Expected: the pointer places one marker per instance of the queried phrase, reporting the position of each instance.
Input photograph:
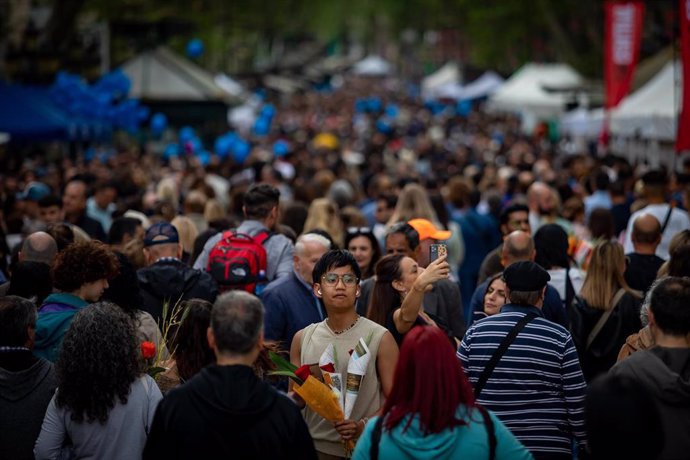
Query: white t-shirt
(577, 277)
(678, 222)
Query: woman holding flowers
(336, 282)
(103, 406)
(431, 412)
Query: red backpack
(238, 261)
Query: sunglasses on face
(353, 230)
(331, 279)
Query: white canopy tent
(527, 90)
(447, 77)
(372, 66)
(582, 122)
(230, 85)
(487, 84)
(162, 75)
(483, 86)
(651, 111)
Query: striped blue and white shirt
(537, 389)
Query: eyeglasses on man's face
(331, 279)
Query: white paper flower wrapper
(334, 379)
(356, 370)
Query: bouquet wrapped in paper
(317, 395)
(331, 399)
(356, 370)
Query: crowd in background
(382, 177)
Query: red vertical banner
(623, 29)
(683, 137)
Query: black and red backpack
(238, 261)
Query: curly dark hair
(83, 262)
(98, 362)
(191, 350)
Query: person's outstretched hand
(437, 270)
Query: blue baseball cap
(161, 233)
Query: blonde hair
(678, 242)
(323, 214)
(134, 251)
(414, 203)
(167, 190)
(604, 275)
(187, 232)
(214, 210)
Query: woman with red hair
(431, 413)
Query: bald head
(646, 233)
(38, 247)
(157, 251)
(517, 246)
(541, 199)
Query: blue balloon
(158, 123)
(384, 126)
(392, 111)
(204, 157)
(374, 104)
(186, 134)
(268, 111)
(196, 145)
(281, 148)
(262, 126)
(222, 146)
(464, 108)
(241, 151)
(172, 150)
(195, 48)
(142, 113)
(361, 105)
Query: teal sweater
(463, 442)
(54, 318)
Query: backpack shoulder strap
(603, 318)
(667, 218)
(500, 351)
(376, 439)
(569, 289)
(490, 431)
(262, 236)
(227, 234)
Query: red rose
(328, 367)
(303, 372)
(148, 349)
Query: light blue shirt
(598, 199)
(103, 216)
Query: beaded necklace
(346, 329)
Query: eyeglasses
(331, 279)
(353, 230)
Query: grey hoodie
(665, 372)
(24, 397)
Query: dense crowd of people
(147, 298)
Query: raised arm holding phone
(397, 298)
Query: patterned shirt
(537, 389)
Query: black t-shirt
(641, 270)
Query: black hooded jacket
(227, 412)
(26, 386)
(665, 373)
(171, 280)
